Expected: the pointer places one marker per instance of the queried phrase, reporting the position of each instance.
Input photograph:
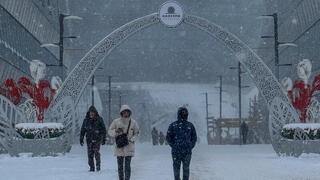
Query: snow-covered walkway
(251, 162)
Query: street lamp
(288, 44)
(72, 17)
(220, 97)
(121, 95)
(59, 44)
(50, 45)
(277, 44)
(239, 91)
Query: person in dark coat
(182, 138)
(161, 138)
(95, 131)
(244, 131)
(155, 136)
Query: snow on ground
(250, 162)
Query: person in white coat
(124, 155)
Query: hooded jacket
(181, 135)
(133, 134)
(93, 129)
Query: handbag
(122, 140)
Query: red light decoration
(41, 94)
(301, 95)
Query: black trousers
(185, 159)
(124, 167)
(93, 152)
(244, 138)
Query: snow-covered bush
(30, 130)
(310, 131)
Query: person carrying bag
(122, 140)
(125, 130)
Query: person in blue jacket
(182, 138)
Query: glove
(81, 142)
(103, 142)
(119, 131)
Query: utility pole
(210, 123)
(277, 44)
(207, 115)
(207, 107)
(61, 19)
(120, 99)
(60, 44)
(239, 92)
(109, 101)
(220, 106)
(220, 103)
(92, 90)
(239, 88)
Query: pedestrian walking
(161, 138)
(94, 130)
(244, 131)
(126, 131)
(155, 136)
(182, 138)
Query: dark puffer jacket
(94, 129)
(181, 135)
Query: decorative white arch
(267, 84)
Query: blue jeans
(185, 159)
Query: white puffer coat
(132, 135)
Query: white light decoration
(304, 69)
(287, 83)
(56, 83)
(38, 70)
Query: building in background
(25, 25)
(299, 23)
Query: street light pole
(239, 92)
(60, 44)
(92, 90)
(109, 100)
(239, 87)
(220, 103)
(207, 106)
(120, 100)
(61, 19)
(220, 96)
(277, 44)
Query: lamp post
(121, 95)
(109, 100)
(92, 90)
(239, 91)
(209, 123)
(277, 44)
(60, 44)
(220, 96)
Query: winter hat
(92, 109)
(124, 108)
(180, 116)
